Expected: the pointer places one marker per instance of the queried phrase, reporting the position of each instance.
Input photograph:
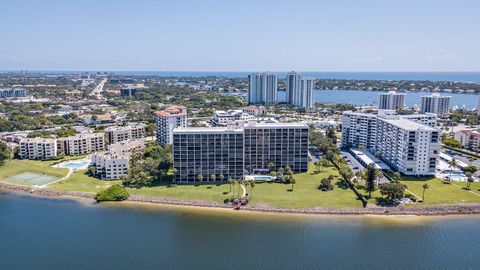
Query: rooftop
(408, 124)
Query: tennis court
(33, 178)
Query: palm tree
(271, 166)
(213, 178)
(221, 177)
(200, 178)
(370, 176)
(273, 174)
(252, 186)
(319, 165)
(470, 179)
(425, 187)
(230, 182)
(397, 177)
(379, 176)
(292, 181)
(174, 179)
(453, 163)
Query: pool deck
(86, 160)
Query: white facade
(435, 103)
(117, 134)
(391, 101)
(407, 143)
(167, 120)
(262, 88)
(115, 163)
(81, 144)
(37, 148)
(224, 118)
(13, 92)
(300, 90)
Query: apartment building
(391, 100)
(224, 118)
(409, 147)
(435, 103)
(37, 148)
(410, 144)
(299, 90)
(115, 134)
(284, 144)
(470, 139)
(81, 144)
(262, 88)
(115, 163)
(13, 92)
(234, 151)
(167, 120)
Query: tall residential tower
(391, 101)
(299, 90)
(262, 88)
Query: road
(356, 166)
(97, 91)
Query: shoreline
(430, 210)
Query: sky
(240, 35)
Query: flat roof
(276, 125)
(408, 124)
(206, 130)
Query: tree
(221, 177)
(174, 179)
(359, 177)
(453, 163)
(470, 179)
(137, 178)
(330, 156)
(113, 193)
(470, 168)
(397, 177)
(392, 190)
(271, 166)
(452, 142)
(326, 184)
(230, 183)
(252, 186)
(425, 187)
(213, 178)
(331, 135)
(370, 176)
(200, 178)
(293, 181)
(4, 153)
(319, 165)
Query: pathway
(455, 185)
(244, 191)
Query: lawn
(80, 181)
(305, 193)
(438, 193)
(15, 167)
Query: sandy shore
(430, 210)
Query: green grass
(438, 193)
(15, 167)
(80, 181)
(305, 193)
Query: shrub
(326, 184)
(113, 193)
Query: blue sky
(243, 35)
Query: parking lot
(356, 166)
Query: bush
(113, 193)
(326, 184)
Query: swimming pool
(74, 164)
(455, 177)
(263, 178)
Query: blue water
(430, 76)
(358, 97)
(75, 164)
(40, 233)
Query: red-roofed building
(469, 139)
(168, 119)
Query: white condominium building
(117, 134)
(115, 163)
(37, 148)
(13, 92)
(262, 88)
(408, 143)
(435, 103)
(81, 144)
(110, 165)
(224, 118)
(299, 90)
(391, 101)
(167, 120)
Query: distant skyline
(214, 35)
